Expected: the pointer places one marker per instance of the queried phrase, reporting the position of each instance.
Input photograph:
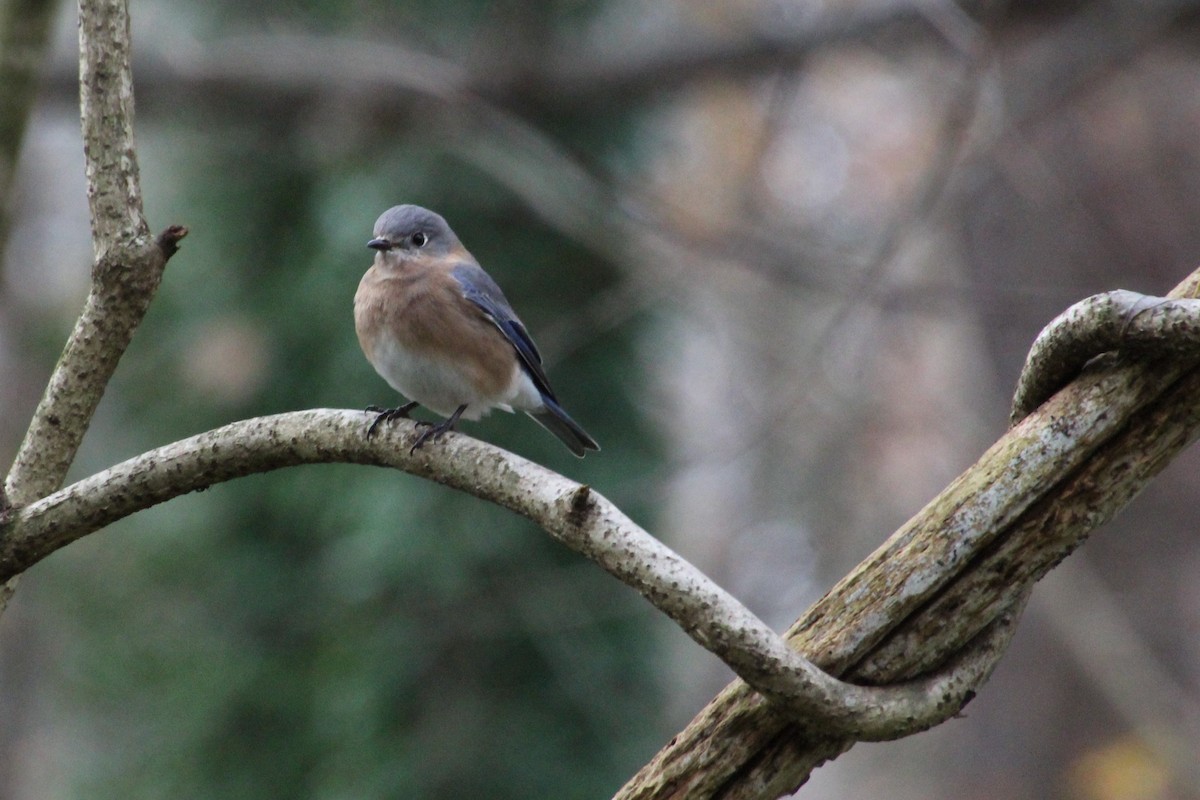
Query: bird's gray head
(410, 230)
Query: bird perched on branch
(438, 329)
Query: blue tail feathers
(552, 417)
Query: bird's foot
(432, 432)
(386, 414)
(435, 431)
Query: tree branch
(1104, 322)
(1032, 498)
(574, 514)
(128, 265)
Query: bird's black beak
(380, 244)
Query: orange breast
(424, 312)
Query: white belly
(442, 389)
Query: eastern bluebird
(437, 328)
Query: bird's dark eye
(419, 239)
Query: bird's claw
(386, 414)
(432, 431)
(435, 431)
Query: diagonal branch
(573, 514)
(1032, 498)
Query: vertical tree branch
(125, 274)
(128, 262)
(106, 114)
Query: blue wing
(480, 289)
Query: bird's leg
(434, 431)
(385, 414)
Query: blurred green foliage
(346, 632)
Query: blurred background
(784, 260)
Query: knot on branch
(168, 240)
(579, 505)
(1120, 321)
(131, 268)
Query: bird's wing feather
(480, 289)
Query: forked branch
(128, 260)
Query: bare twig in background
(289, 74)
(571, 77)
